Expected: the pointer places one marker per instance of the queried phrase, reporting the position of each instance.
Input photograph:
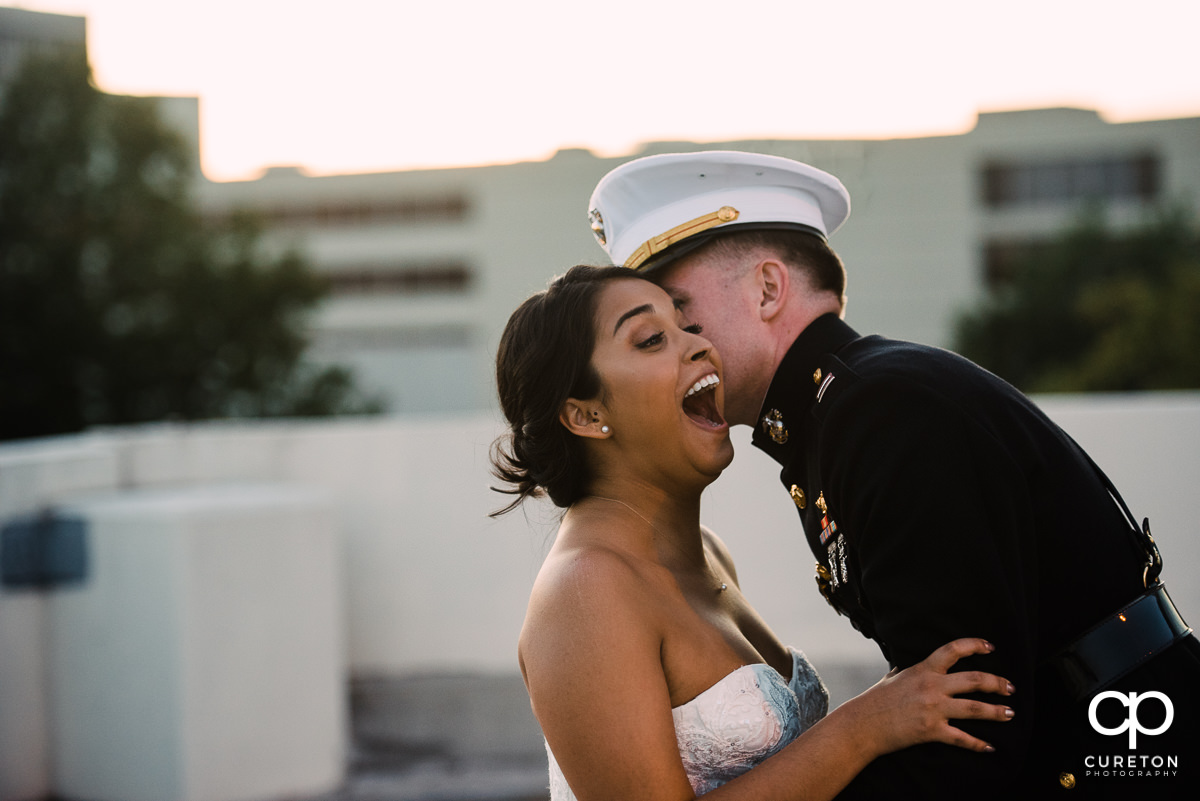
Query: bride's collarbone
(707, 632)
(700, 649)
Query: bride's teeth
(703, 383)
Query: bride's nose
(698, 347)
(699, 350)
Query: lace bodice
(736, 723)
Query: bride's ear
(583, 419)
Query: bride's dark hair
(545, 357)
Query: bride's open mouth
(700, 402)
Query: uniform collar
(794, 387)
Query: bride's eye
(694, 328)
(650, 342)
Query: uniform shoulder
(924, 366)
(877, 370)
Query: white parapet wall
(432, 585)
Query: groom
(939, 502)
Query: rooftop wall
(432, 585)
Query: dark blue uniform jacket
(940, 503)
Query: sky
(375, 85)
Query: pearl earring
(604, 429)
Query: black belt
(1120, 642)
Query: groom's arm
(932, 507)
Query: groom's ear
(582, 418)
(774, 281)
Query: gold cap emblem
(821, 502)
(798, 496)
(772, 424)
(597, 223)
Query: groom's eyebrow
(643, 309)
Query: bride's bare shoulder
(588, 602)
(586, 570)
(590, 583)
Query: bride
(650, 673)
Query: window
(363, 212)
(1061, 181)
(406, 279)
(1002, 259)
(335, 213)
(435, 337)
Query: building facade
(25, 32)
(426, 265)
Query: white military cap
(677, 201)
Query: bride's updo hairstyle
(544, 358)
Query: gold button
(821, 502)
(1067, 780)
(817, 376)
(798, 496)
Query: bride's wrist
(859, 730)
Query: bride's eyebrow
(643, 309)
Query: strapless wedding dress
(736, 723)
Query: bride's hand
(916, 705)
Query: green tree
(118, 304)
(1097, 310)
